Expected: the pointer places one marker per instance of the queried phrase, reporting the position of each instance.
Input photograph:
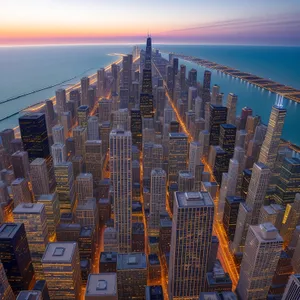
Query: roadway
(224, 253)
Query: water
(29, 68)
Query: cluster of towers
(144, 184)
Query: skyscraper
(58, 152)
(93, 128)
(39, 177)
(192, 77)
(186, 181)
(227, 138)
(146, 105)
(34, 135)
(105, 108)
(35, 221)
(7, 135)
(148, 56)
(218, 116)
(15, 256)
(136, 127)
(82, 115)
(194, 156)
(182, 77)
(147, 82)
(178, 154)
(262, 252)
(58, 134)
(80, 137)
(61, 266)
(268, 152)
(85, 84)
(121, 119)
(157, 199)
(94, 158)
(127, 71)
(191, 236)
(231, 108)
(61, 102)
(101, 82)
(292, 290)
(65, 186)
(84, 187)
(20, 164)
(20, 191)
(120, 143)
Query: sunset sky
(173, 21)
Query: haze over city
(91, 21)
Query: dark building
(182, 78)
(281, 276)
(15, 256)
(246, 111)
(289, 181)
(146, 105)
(227, 138)
(170, 77)
(165, 232)
(221, 164)
(245, 182)
(91, 96)
(85, 267)
(206, 80)
(20, 164)
(174, 127)
(175, 65)
(103, 188)
(41, 285)
(86, 243)
(70, 146)
(148, 54)
(136, 128)
(138, 237)
(75, 96)
(127, 70)
(192, 78)
(213, 253)
(104, 210)
(147, 82)
(16, 145)
(154, 269)
(154, 292)
(231, 210)
(218, 280)
(67, 232)
(173, 187)
(218, 116)
(34, 135)
(108, 262)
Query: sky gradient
(26, 22)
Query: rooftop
(177, 135)
(29, 295)
(166, 223)
(29, 115)
(131, 261)
(193, 199)
(108, 257)
(153, 259)
(17, 181)
(103, 284)
(154, 292)
(59, 252)
(47, 197)
(138, 228)
(29, 208)
(8, 230)
(86, 231)
(266, 231)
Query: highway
(224, 253)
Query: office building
(268, 152)
(20, 164)
(16, 145)
(58, 152)
(102, 286)
(94, 159)
(186, 181)
(217, 117)
(80, 137)
(108, 262)
(271, 214)
(61, 266)
(41, 286)
(121, 181)
(136, 127)
(20, 191)
(288, 184)
(82, 115)
(154, 269)
(34, 135)
(121, 119)
(147, 82)
(93, 128)
(61, 102)
(101, 82)
(127, 71)
(292, 290)
(131, 275)
(262, 252)
(154, 292)
(84, 187)
(192, 77)
(58, 134)
(6, 136)
(52, 212)
(227, 138)
(192, 95)
(85, 84)
(231, 108)
(157, 199)
(204, 138)
(39, 177)
(178, 154)
(146, 105)
(138, 237)
(35, 221)
(65, 186)
(66, 122)
(110, 240)
(194, 156)
(104, 134)
(124, 98)
(32, 295)
(15, 257)
(6, 291)
(193, 212)
(105, 109)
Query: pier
(285, 91)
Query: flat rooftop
(59, 252)
(104, 284)
(8, 230)
(193, 199)
(131, 261)
(17, 181)
(177, 135)
(29, 208)
(110, 257)
(29, 295)
(47, 197)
